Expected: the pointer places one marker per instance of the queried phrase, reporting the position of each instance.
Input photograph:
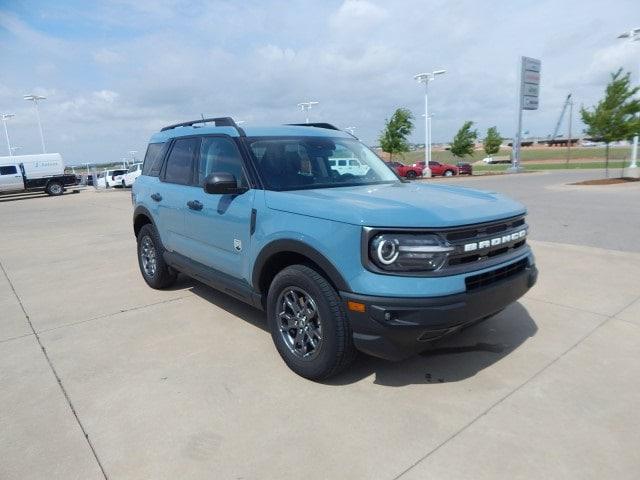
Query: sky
(116, 71)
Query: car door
(218, 225)
(436, 168)
(175, 178)
(10, 179)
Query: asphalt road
(102, 377)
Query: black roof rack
(218, 122)
(328, 126)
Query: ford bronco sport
(263, 214)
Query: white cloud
(357, 15)
(107, 57)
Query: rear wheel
(54, 188)
(308, 324)
(154, 270)
(411, 175)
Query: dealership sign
(530, 83)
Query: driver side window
(220, 154)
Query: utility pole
(426, 78)
(305, 107)
(5, 117)
(569, 136)
(35, 99)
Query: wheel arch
(279, 254)
(141, 217)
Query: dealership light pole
(426, 78)
(305, 107)
(5, 117)
(35, 99)
(633, 36)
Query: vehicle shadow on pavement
(231, 305)
(453, 359)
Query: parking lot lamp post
(35, 99)
(426, 78)
(5, 117)
(633, 36)
(305, 107)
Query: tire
(153, 268)
(448, 173)
(333, 350)
(54, 188)
(124, 185)
(411, 175)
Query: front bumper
(395, 328)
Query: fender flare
(301, 248)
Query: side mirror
(222, 183)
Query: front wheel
(448, 173)
(411, 175)
(308, 324)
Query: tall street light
(426, 78)
(35, 99)
(633, 36)
(5, 117)
(305, 107)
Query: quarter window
(220, 154)
(153, 159)
(180, 162)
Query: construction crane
(564, 109)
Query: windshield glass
(294, 163)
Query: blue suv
(308, 224)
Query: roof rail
(218, 122)
(328, 126)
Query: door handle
(156, 196)
(194, 205)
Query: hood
(397, 205)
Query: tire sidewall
(411, 175)
(292, 277)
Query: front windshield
(294, 163)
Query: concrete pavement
(185, 383)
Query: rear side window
(179, 166)
(153, 159)
(10, 170)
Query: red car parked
(438, 168)
(408, 171)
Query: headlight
(408, 252)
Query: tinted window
(220, 154)
(180, 162)
(11, 170)
(153, 159)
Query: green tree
(614, 117)
(393, 139)
(464, 140)
(492, 141)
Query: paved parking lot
(102, 377)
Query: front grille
(468, 242)
(483, 279)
